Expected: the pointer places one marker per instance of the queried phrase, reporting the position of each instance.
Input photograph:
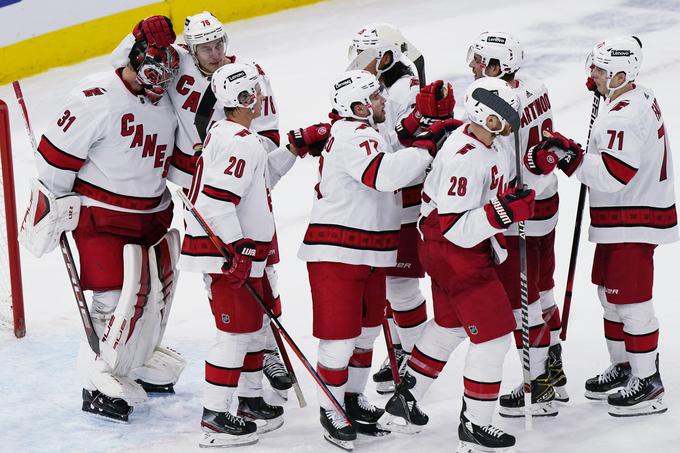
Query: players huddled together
(404, 189)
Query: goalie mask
(614, 55)
(236, 85)
(478, 112)
(497, 46)
(379, 39)
(203, 28)
(155, 68)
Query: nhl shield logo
(225, 318)
(473, 330)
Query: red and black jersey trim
(122, 201)
(183, 162)
(202, 246)
(547, 208)
(411, 196)
(618, 169)
(370, 175)
(352, 238)
(58, 158)
(221, 194)
(272, 135)
(634, 216)
(447, 221)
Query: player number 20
(236, 167)
(458, 186)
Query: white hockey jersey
(231, 190)
(355, 217)
(629, 170)
(465, 175)
(111, 146)
(535, 117)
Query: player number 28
(458, 186)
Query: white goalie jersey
(111, 146)
(356, 212)
(629, 170)
(231, 189)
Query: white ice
(303, 50)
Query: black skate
(475, 438)
(557, 376)
(614, 377)
(337, 430)
(276, 372)
(542, 397)
(114, 409)
(384, 384)
(156, 388)
(223, 429)
(257, 410)
(363, 415)
(402, 414)
(639, 397)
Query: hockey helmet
(354, 87)
(379, 38)
(478, 112)
(614, 55)
(499, 46)
(202, 28)
(155, 67)
(236, 85)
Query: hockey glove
(310, 140)
(434, 136)
(407, 128)
(155, 30)
(334, 116)
(569, 153)
(436, 100)
(513, 206)
(237, 268)
(540, 161)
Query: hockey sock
(641, 337)
(360, 361)
(613, 330)
(539, 339)
(551, 315)
(333, 358)
(250, 383)
(482, 378)
(408, 309)
(223, 369)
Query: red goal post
(11, 291)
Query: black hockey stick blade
(498, 105)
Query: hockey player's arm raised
(367, 162)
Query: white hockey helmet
(478, 112)
(499, 46)
(354, 87)
(379, 38)
(236, 85)
(201, 28)
(614, 55)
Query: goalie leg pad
(162, 369)
(46, 218)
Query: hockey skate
(475, 438)
(113, 409)
(613, 378)
(384, 384)
(266, 417)
(276, 372)
(639, 397)
(363, 415)
(223, 429)
(337, 430)
(557, 376)
(542, 397)
(402, 414)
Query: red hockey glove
(540, 161)
(407, 127)
(237, 269)
(310, 140)
(513, 206)
(570, 153)
(436, 100)
(434, 136)
(155, 30)
(334, 116)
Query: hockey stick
(577, 232)
(510, 115)
(216, 242)
(90, 333)
(286, 362)
(392, 357)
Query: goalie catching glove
(46, 218)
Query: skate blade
(537, 410)
(598, 396)
(561, 394)
(266, 426)
(384, 388)
(223, 440)
(469, 447)
(346, 445)
(656, 406)
(391, 423)
(90, 409)
(369, 429)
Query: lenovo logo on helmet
(238, 75)
(343, 83)
(496, 39)
(620, 53)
